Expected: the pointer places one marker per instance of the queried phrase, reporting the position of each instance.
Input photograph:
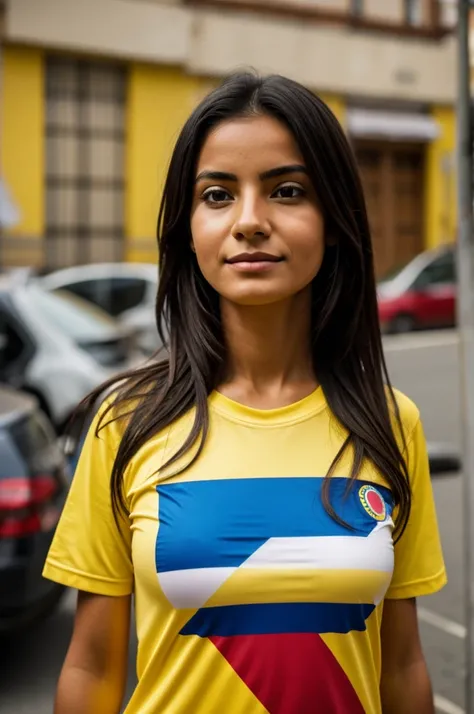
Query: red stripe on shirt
(291, 673)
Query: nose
(251, 221)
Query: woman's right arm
(94, 674)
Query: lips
(254, 258)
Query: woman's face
(257, 230)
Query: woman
(249, 489)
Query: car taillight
(25, 505)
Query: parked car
(33, 485)
(57, 347)
(420, 295)
(127, 291)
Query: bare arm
(94, 673)
(405, 684)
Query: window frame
(77, 230)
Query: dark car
(33, 485)
(420, 295)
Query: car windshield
(395, 281)
(75, 317)
(402, 278)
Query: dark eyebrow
(271, 173)
(283, 171)
(215, 176)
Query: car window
(440, 271)
(76, 318)
(126, 293)
(86, 289)
(115, 295)
(12, 343)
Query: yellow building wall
(22, 136)
(440, 193)
(159, 101)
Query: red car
(421, 295)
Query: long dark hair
(346, 340)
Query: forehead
(259, 142)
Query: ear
(192, 247)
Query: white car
(58, 348)
(127, 291)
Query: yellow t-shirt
(249, 597)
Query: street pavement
(424, 366)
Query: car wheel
(401, 324)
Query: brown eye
(216, 195)
(288, 191)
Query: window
(75, 318)
(87, 289)
(440, 272)
(126, 294)
(13, 346)
(85, 129)
(115, 295)
(92, 329)
(448, 10)
(413, 12)
(35, 439)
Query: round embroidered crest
(373, 502)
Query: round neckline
(290, 413)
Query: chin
(256, 298)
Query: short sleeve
(419, 565)
(89, 550)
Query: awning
(393, 126)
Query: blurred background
(92, 96)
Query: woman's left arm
(405, 684)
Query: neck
(269, 350)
